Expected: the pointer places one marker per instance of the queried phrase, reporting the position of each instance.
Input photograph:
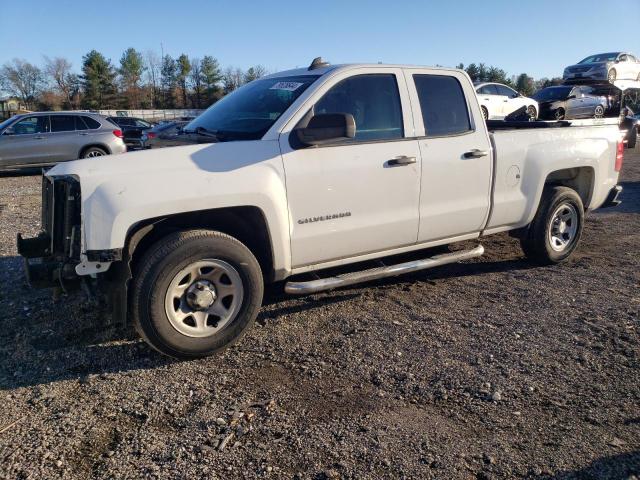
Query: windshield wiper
(204, 132)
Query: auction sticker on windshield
(289, 86)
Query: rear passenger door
(64, 142)
(456, 155)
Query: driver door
(350, 197)
(26, 142)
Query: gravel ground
(491, 369)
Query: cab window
(443, 105)
(374, 102)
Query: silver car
(46, 138)
(605, 66)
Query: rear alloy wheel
(612, 75)
(559, 114)
(93, 152)
(556, 229)
(485, 113)
(599, 112)
(532, 112)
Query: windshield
(601, 57)
(552, 93)
(6, 123)
(247, 113)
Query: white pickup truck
(306, 170)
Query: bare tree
(153, 65)
(58, 72)
(232, 78)
(21, 79)
(196, 78)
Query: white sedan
(497, 101)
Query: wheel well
(98, 145)
(579, 179)
(247, 224)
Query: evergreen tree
(211, 77)
(131, 70)
(98, 81)
(168, 79)
(184, 68)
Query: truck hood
(121, 190)
(155, 166)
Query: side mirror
(571, 97)
(326, 128)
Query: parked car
(631, 123)
(167, 134)
(498, 101)
(133, 129)
(45, 138)
(605, 66)
(565, 102)
(307, 170)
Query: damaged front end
(51, 257)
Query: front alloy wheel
(599, 112)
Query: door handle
(84, 134)
(39, 137)
(402, 160)
(475, 153)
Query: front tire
(612, 75)
(532, 112)
(485, 113)
(196, 293)
(555, 231)
(559, 114)
(598, 112)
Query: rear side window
(91, 123)
(374, 102)
(505, 91)
(62, 123)
(443, 105)
(488, 90)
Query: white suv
(497, 101)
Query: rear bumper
(612, 199)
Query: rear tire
(93, 152)
(612, 75)
(559, 114)
(197, 292)
(598, 112)
(532, 112)
(555, 231)
(485, 113)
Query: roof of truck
(349, 66)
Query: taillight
(151, 135)
(118, 133)
(619, 156)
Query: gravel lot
(491, 369)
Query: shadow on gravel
(618, 467)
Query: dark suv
(133, 129)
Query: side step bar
(313, 286)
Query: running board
(313, 286)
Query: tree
(232, 79)
(196, 80)
(211, 77)
(58, 71)
(98, 81)
(168, 79)
(497, 75)
(184, 68)
(473, 72)
(131, 70)
(254, 73)
(152, 67)
(22, 79)
(525, 85)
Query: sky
(536, 37)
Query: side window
(91, 123)
(30, 125)
(62, 123)
(142, 124)
(623, 58)
(506, 91)
(443, 105)
(488, 90)
(374, 102)
(80, 124)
